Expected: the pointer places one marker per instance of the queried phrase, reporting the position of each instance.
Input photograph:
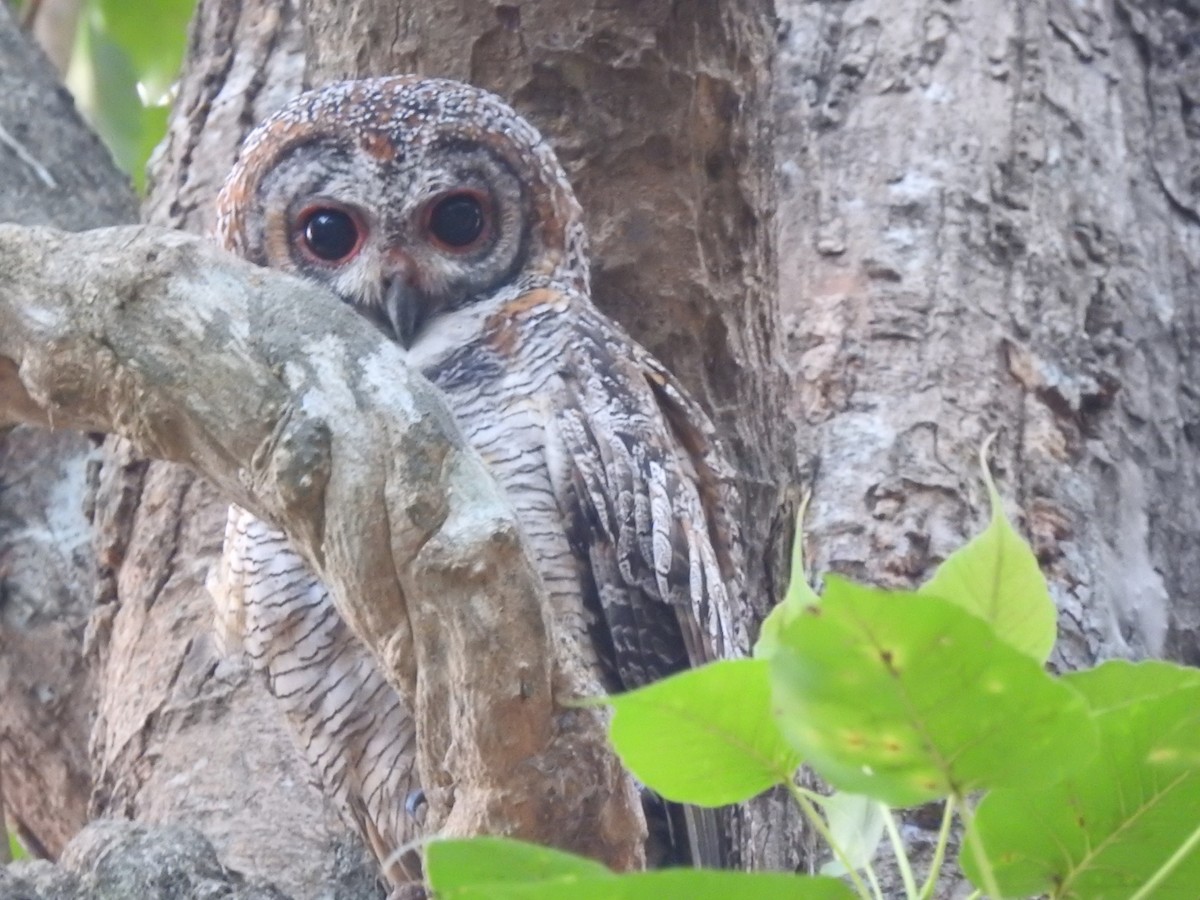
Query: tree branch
(303, 413)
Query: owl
(445, 219)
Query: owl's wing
(352, 727)
(647, 501)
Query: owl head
(408, 197)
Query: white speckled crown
(387, 117)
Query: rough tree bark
(703, 173)
(201, 741)
(170, 715)
(305, 414)
(991, 219)
(53, 171)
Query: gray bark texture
(115, 702)
(53, 171)
(988, 219)
(990, 215)
(200, 740)
(988, 222)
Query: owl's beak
(405, 309)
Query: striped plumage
(353, 728)
(442, 216)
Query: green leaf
(856, 823)
(498, 869)
(799, 595)
(453, 864)
(996, 577)
(105, 86)
(152, 35)
(907, 698)
(705, 736)
(153, 127)
(1114, 823)
(16, 850)
(126, 57)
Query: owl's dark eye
(458, 220)
(330, 234)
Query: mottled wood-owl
(442, 216)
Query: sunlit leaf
(1116, 820)
(488, 860)
(705, 736)
(856, 823)
(908, 698)
(996, 577)
(494, 869)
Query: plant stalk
(981, 860)
(939, 852)
(906, 872)
(817, 822)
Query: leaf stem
(874, 881)
(818, 823)
(906, 873)
(816, 798)
(981, 860)
(939, 852)
(1169, 866)
(798, 543)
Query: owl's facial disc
(403, 237)
(454, 230)
(410, 270)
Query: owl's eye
(458, 220)
(330, 234)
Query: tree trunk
(988, 222)
(53, 171)
(182, 733)
(692, 176)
